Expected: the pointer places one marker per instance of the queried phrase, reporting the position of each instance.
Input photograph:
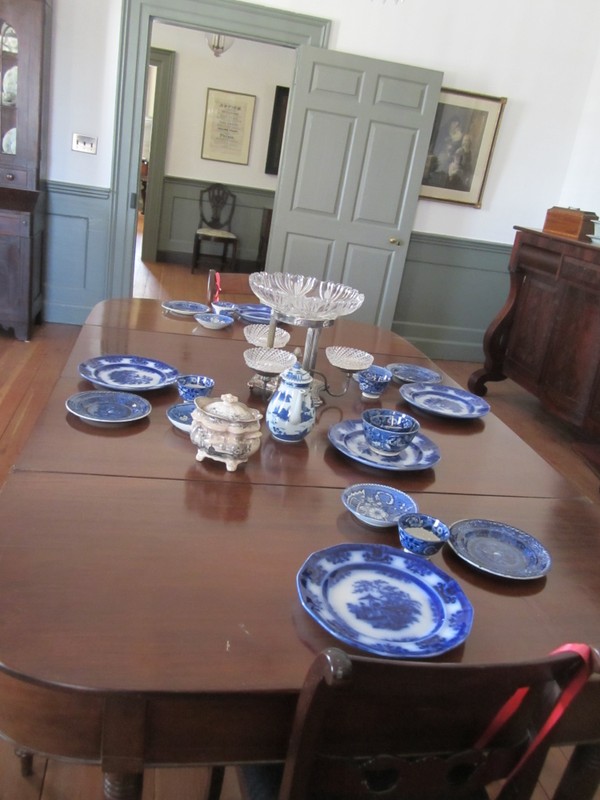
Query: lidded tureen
(225, 429)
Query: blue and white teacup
(373, 381)
(387, 431)
(422, 534)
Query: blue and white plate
(413, 373)
(499, 549)
(185, 308)
(349, 439)
(444, 401)
(384, 601)
(107, 406)
(132, 373)
(376, 505)
(254, 312)
(180, 416)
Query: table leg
(123, 785)
(582, 775)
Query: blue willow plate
(180, 416)
(413, 373)
(107, 406)
(128, 373)
(376, 505)
(349, 439)
(186, 308)
(499, 549)
(444, 401)
(384, 601)
(254, 312)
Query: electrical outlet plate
(84, 144)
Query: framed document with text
(228, 126)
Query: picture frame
(277, 128)
(461, 146)
(228, 124)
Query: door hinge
(133, 200)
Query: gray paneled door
(356, 140)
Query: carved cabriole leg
(496, 340)
(123, 786)
(581, 778)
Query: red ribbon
(217, 285)
(568, 694)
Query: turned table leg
(123, 785)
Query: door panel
(356, 140)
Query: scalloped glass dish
(268, 360)
(348, 359)
(305, 297)
(258, 335)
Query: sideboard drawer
(13, 178)
(16, 224)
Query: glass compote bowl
(305, 301)
(348, 360)
(267, 362)
(259, 335)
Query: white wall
(248, 68)
(543, 55)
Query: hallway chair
(217, 205)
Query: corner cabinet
(547, 336)
(24, 71)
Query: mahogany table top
(132, 570)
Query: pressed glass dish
(348, 359)
(258, 335)
(305, 297)
(268, 360)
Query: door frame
(243, 20)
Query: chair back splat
(217, 206)
(400, 730)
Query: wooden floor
(29, 370)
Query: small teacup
(388, 432)
(192, 386)
(373, 381)
(421, 534)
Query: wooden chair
(217, 205)
(373, 728)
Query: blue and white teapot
(291, 411)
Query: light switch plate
(84, 144)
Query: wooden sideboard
(547, 335)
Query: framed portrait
(277, 127)
(462, 142)
(228, 126)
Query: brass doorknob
(395, 241)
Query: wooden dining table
(151, 614)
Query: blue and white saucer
(444, 401)
(413, 373)
(108, 407)
(382, 600)
(256, 313)
(129, 373)
(180, 416)
(185, 308)
(348, 437)
(499, 549)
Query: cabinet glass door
(9, 56)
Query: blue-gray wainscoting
(451, 288)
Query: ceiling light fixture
(218, 43)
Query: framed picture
(462, 142)
(228, 126)
(277, 128)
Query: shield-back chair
(217, 205)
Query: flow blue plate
(384, 601)
(499, 549)
(444, 401)
(185, 308)
(180, 416)
(413, 373)
(129, 373)
(348, 437)
(108, 406)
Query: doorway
(232, 18)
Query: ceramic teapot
(291, 411)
